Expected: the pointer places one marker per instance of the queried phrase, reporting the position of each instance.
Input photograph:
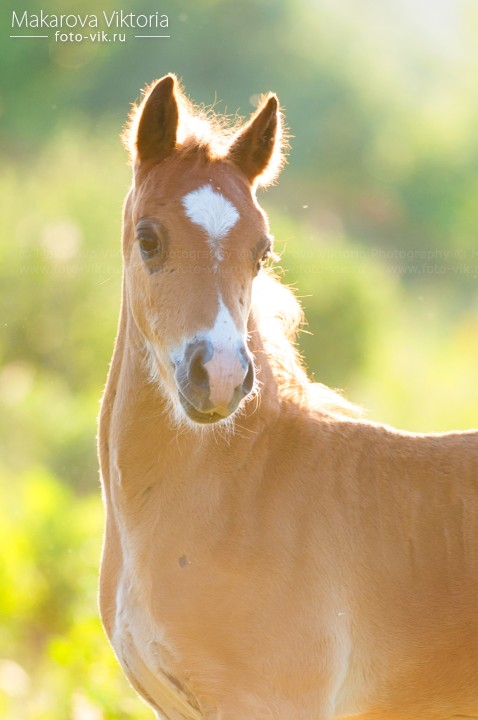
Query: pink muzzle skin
(212, 381)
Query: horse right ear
(256, 149)
(158, 118)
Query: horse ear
(254, 147)
(158, 122)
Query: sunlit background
(375, 217)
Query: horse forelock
(199, 126)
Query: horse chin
(203, 418)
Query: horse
(268, 552)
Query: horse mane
(278, 317)
(202, 130)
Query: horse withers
(268, 554)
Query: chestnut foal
(267, 553)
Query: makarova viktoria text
(114, 19)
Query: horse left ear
(158, 122)
(254, 148)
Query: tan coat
(299, 564)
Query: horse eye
(149, 245)
(148, 239)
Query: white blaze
(211, 211)
(224, 333)
(224, 369)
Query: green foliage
(56, 661)
(340, 290)
(60, 301)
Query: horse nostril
(197, 373)
(248, 382)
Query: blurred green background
(375, 217)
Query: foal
(267, 553)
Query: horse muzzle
(212, 381)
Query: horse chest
(193, 621)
